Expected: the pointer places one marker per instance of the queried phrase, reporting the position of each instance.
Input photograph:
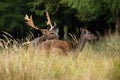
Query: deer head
(85, 36)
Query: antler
(30, 22)
(49, 21)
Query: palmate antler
(49, 21)
(30, 22)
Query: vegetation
(100, 61)
(69, 15)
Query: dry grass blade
(32, 35)
(22, 64)
(73, 37)
(2, 42)
(8, 34)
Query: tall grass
(100, 61)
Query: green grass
(100, 61)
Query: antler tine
(49, 21)
(55, 24)
(30, 22)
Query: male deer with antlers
(52, 33)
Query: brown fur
(65, 46)
(61, 45)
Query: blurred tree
(89, 10)
(113, 6)
(68, 14)
(12, 16)
(39, 7)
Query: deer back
(48, 35)
(64, 46)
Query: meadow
(98, 61)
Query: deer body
(39, 40)
(65, 46)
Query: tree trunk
(117, 25)
(65, 32)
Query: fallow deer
(65, 46)
(49, 39)
(50, 34)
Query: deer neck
(81, 43)
(36, 41)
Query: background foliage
(96, 15)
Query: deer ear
(82, 29)
(56, 30)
